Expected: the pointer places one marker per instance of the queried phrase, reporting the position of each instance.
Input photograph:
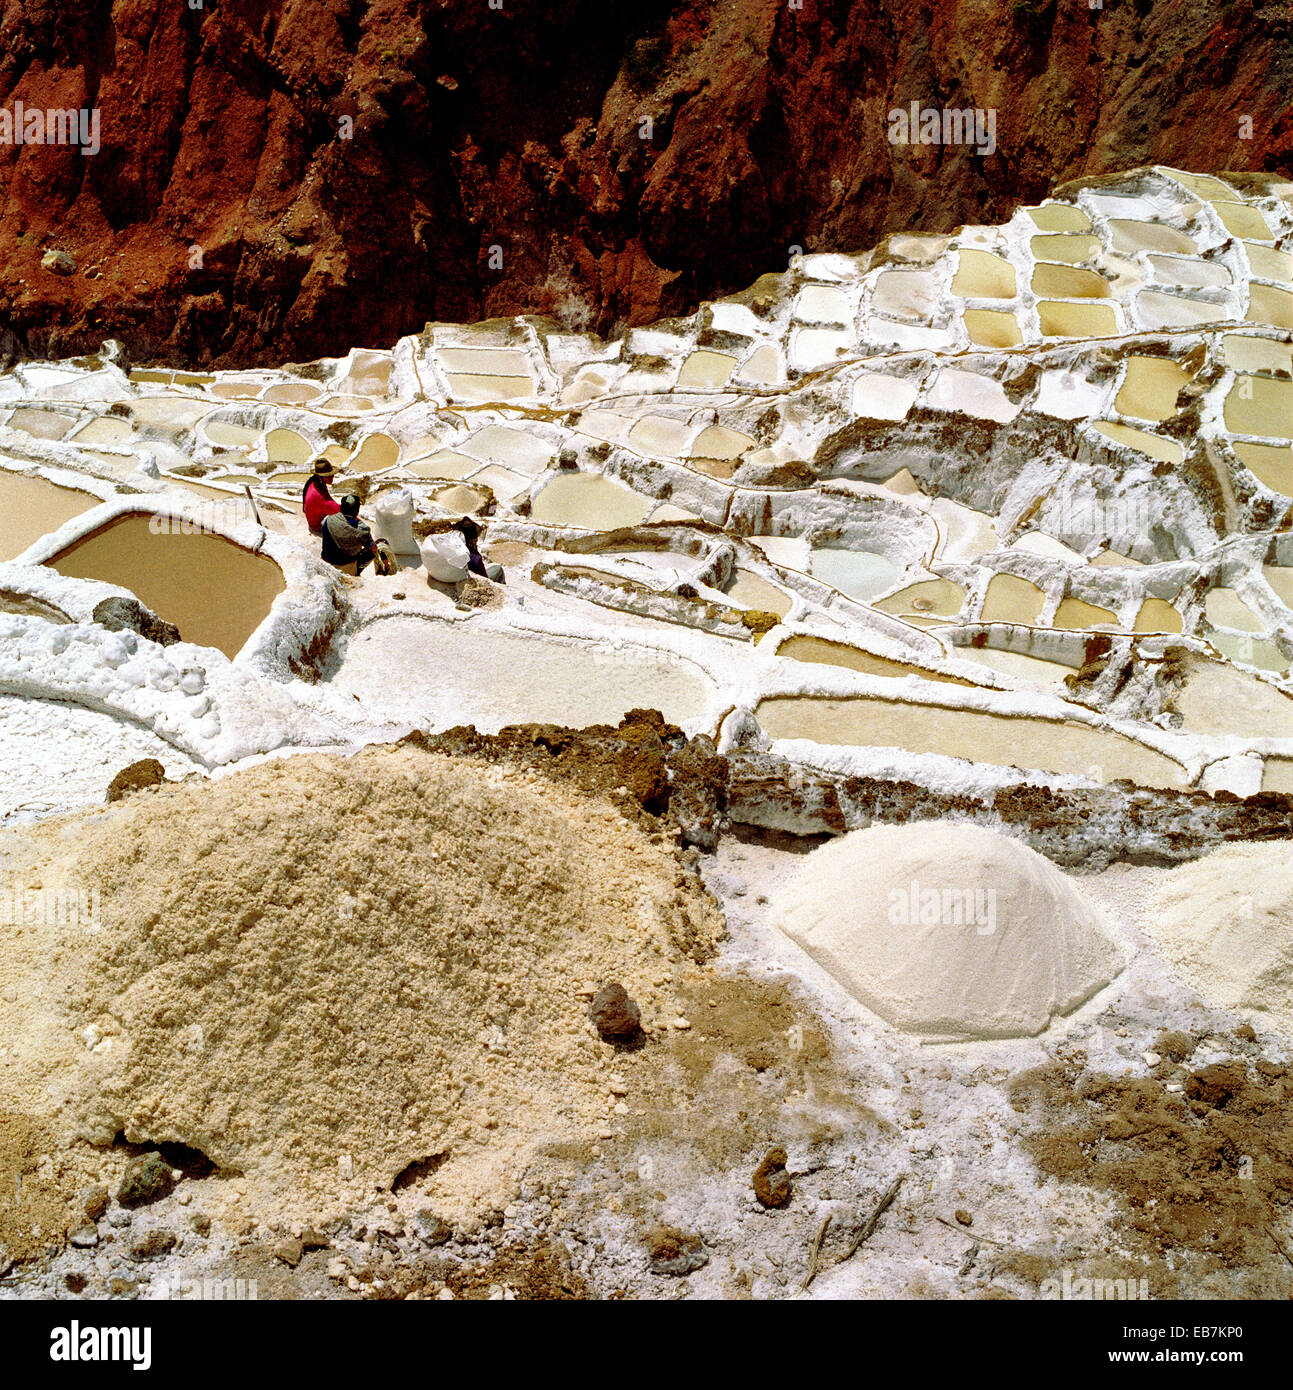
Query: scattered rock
(122, 1288)
(147, 772)
(289, 1251)
(964, 1217)
(60, 262)
(615, 1016)
(475, 592)
(120, 614)
(75, 1281)
(771, 1181)
(201, 1223)
(152, 1245)
(430, 1229)
(1177, 1046)
(146, 1179)
(674, 1252)
(314, 1240)
(84, 1237)
(94, 1203)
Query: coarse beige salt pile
(322, 970)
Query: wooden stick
(255, 510)
(975, 1235)
(816, 1251)
(873, 1220)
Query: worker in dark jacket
(346, 538)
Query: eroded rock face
(604, 164)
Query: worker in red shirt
(316, 501)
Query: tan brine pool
(589, 500)
(214, 591)
(1046, 745)
(36, 507)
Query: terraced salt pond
(34, 507)
(858, 573)
(214, 591)
(821, 651)
(1019, 664)
(445, 673)
(1044, 745)
(590, 500)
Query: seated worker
(477, 564)
(316, 500)
(346, 538)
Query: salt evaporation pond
(214, 591)
(590, 500)
(860, 574)
(34, 508)
(447, 673)
(1048, 745)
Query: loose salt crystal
(621, 1108)
(1175, 1086)
(1152, 1059)
(345, 1167)
(682, 1023)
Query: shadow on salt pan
(442, 674)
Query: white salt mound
(1227, 922)
(948, 931)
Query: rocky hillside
(285, 179)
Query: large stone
(60, 262)
(147, 772)
(119, 614)
(146, 1179)
(615, 1016)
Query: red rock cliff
(604, 163)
